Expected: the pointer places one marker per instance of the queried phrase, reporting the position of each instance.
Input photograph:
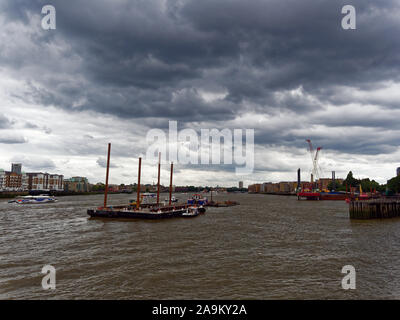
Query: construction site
(316, 182)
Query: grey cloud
(11, 139)
(102, 162)
(4, 122)
(34, 163)
(30, 125)
(148, 61)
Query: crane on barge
(308, 191)
(315, 173)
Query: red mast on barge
(107, 173)
(170, 183)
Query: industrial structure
(314, 186)
(316, 170)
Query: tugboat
(197, 199)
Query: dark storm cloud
(151, 59)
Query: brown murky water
(270, 247)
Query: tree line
(392, 186)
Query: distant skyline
(113, 70)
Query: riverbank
(275, 193)
(12, 195)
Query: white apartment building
(2, 179)
(45, 182)
(11, 181)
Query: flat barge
(226, 203)
(140, 210)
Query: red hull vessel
(324, 196)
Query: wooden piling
(375, 208)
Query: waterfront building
(269, 187)
(14, 180)
(264, 187)
(255, 188)
(38, 181)
(284, 187)
(77, 184)
(11, 181)
(2, 179)
(113, 188)
(323, 183)
(17, 180)
(292, 186)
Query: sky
(114, 69)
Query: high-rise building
(16, 168)
(398, 171)
(240, 184)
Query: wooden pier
(375, 208)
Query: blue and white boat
(198, 200)
(35, 199)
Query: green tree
(338, 186)
(350, 180)
(98, 187)
(393, 185)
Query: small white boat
(191, 212)
(173, 199)
(35, 199)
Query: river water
(269, 247)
